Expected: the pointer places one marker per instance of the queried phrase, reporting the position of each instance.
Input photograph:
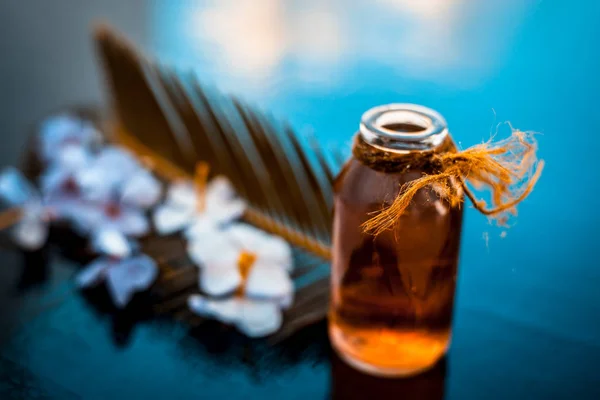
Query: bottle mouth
(403, 127)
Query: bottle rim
(428, 127)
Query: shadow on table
(211, 341)
(350, 384)
(223, 347)
(35, 270)
(122, 321)
(33, 266)
(36, 264)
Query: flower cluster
(244, 272)
(101, 190)
(105, 194)
(250, 264)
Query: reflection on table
(349, 384)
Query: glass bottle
(393, 294)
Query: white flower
(124, 274)
(31, 230)
(115, 191)
(244, 258)
(61, 200)
(111, 242)
(108, 172)
(89, 218)
(85, 190)
(182, 209)
(62, 131)
(73, 157)
(218, 255)
(58, 183)
(15, 189)
(254, 318)
(142, 190)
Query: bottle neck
(402, 128)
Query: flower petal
(183, 194)
(286, 301)
(31, 232)
(169, 219)
(121, 291)
(219, 188)
(227, 310)
(73, 156)
(200, 227)
(221, 203)
(259, 318)
(141, 190)
(265, 246)
(15, 189)
(252, 318)
(96, 184)
(111, 242)
(85, 217)
(212, 247)
(226, 211)
(140, 270)
(246, 235)
(129, 221)
(107, 172)
(52, 180)
(62, 130)
(129, 276)
(268, 281)
(220, 277)
(277, 251)
(118, 162)
(92, 273)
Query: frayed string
(508, 168)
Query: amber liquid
(392, 296)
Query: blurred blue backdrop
(320, 64)
(533, 63)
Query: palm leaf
(174, 121)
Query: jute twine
(508, 168)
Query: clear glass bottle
(393, 294)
